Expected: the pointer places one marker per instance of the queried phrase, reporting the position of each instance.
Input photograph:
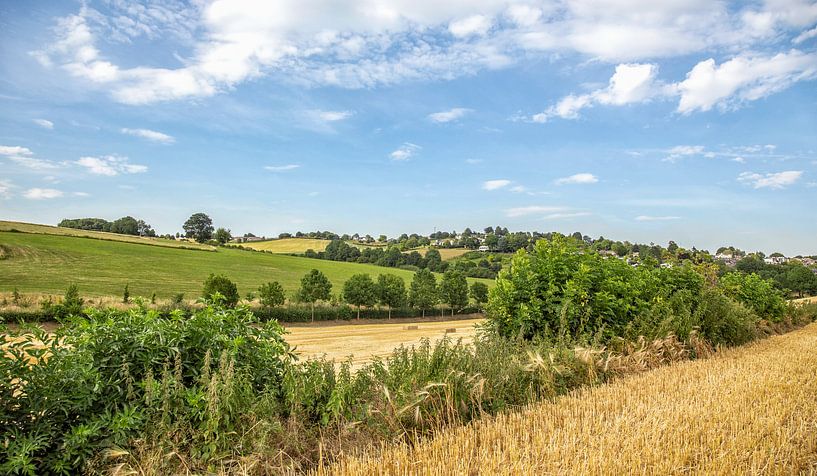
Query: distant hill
(47, 259)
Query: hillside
(13, 226)
(287, 245)
(48, 263)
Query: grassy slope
(49, 263)
(288, 245)
(749, 410)
(100, 235)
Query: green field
(14, 226)
(49, 263)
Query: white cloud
(473, 161)
(332, 116)
(519, 189)
(771, 180)
(9, 150)
(472, 25)
(739, 160)
(281, 168)
(631, 83)
(656, 218)
(404, 152)
(495, 184)
(681, 151)
(42, 193)
(81, 194)
(110, 165)
(44, 123)
(562, 216)
(583, 178)
(450, 115)
(533, 210)
(5, 188)
(743, 78)
(153, 136)
(806, 35)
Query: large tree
(479, 293)
(315, 286)
(454, 290)
(360, 291)
(222, 235)
(391, 291)
(423, 290)
(199, 226)
(271, 294)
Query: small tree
(315, 286)
(454, 290)
(479, 293)
(125, 295)
(222, 235)
(222, 285)
(199, 226)
(71, 302)
(271, 295)
(360, 291)
(423, 290)
(391, 291)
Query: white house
(484, 248)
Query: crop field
(12, 226)
(362, 342)
(44, 263)
(446, 254)
(749, 410)
(288, 245)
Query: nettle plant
(95, 383)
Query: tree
(315, 286)
(360, 291)
(199, 226)
(126, 295)
(271, 294)
(479, 293)
(423, 290)
(222, 235)
(221, 285)
(125, 226)
(391, 291)
(454, 290)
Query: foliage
(359, 291)
(454, 290)
(315, 286)
(199, 226)
(125, 295)
(222, 286)
(98, 381)
(423, 290)
(271, 294)
(222, 235)
(391, 291)
(756, 293)
(479, 293)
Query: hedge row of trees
(126, 225)
(360, 290)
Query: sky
(685, 120)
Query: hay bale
(451, 330)
(410, 328)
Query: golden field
(748, 410)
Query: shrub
(756, 293)
(271, 294)
(223, 286)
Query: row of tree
(126, 225)
(360, 290)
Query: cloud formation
(495, 184)
(42, 193)
(281, 168)
(404, 152)
(449, 115)
(153, 136)
(44, 123)
(776, 180)
(110, 165)
(577, 179)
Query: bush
(756, 293)
(108, 375)
(271, 294)
(222, 285)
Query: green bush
(756, 293)
(223, 286)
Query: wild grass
(749, 410)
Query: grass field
(99, 235)
(445, 253)
(749, 410)
(288, 245)
(45, 263)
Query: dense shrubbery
(563, 289)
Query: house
(484, 248)
(776, 260)
(248, 239)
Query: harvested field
(367, 340)
(748, 410)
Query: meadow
(48, 263)
(748, 410)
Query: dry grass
(364, 341)
(99, 235)
(445, 253)
(288, 245)
(749, 410)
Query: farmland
(48, 263)
(288, 245)
(12, 226)
(690, 417)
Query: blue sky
(688, 120)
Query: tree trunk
(424, 312)
(389, 312)
(452, 312)
(313, 312)
(358, 312)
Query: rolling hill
(48, 263)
